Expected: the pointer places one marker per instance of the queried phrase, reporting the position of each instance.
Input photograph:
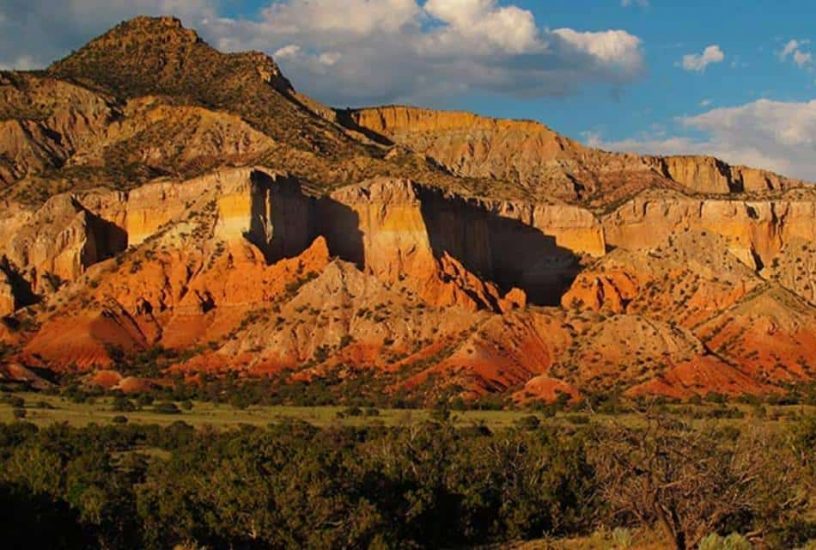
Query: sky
(730, 78)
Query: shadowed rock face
(157, 192)
(397, 227)
(281, 221)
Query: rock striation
(163, 198)
(530, 155)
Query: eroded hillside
(159, 195)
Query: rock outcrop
(756, 230)
(43, 121)
(710, 175)
(165, 199)
(390, 233)
(542, 162)
(8, 300)
(399, 230)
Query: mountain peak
(159, 55)
(145, 28)
(136, 56)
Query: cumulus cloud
(795, 51)
(776, 135)
(698, 62)
(362, 51)
(403, 50)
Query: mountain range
(163, 197)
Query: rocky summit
(162, 198)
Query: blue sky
(750, 33)
(606, 73)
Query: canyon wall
(755, 230)
(523, 152)
(710, 175)
(529, 154)
(396, 229)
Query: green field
(100, 411)
(43, 409)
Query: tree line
(291, 485)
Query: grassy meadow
(45, 409)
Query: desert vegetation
(433, 483)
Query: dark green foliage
(530, 422)
(166, 408)
(123, 404)
(15, 401)
(293, 486)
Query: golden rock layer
(158, 193)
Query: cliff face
(399, 229)
(711, 175)
(524, 153)
(542, 162)
(58, 242)
(388, 231)
(755, 230)
(8, 299)
(159, 194)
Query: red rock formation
(159, 193)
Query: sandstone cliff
(163, 199)
(711, 175)
(755, 229)
(530, 155)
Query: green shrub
(731, 542)
(353, 411)
(166, 408)
(530, 422)
(123, 404)
(15, 401)
(578, 419)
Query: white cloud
(794, 50)
(287, 52)
(483, 24)
(612, 48)
(401, 50)
(699, 62)
(361, 51)
(776, 135)
(352, 17)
